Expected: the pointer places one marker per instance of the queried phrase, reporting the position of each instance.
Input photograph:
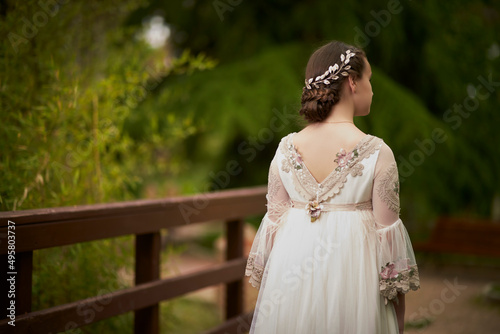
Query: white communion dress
(331, 257)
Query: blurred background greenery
(114, 100)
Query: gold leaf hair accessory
(333, 72)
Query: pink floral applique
(344, 159)
(298, 159)
(389, 272)
(392, 282)
(314, 210)
(295, 158)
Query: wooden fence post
(147, 269)
(234, 250)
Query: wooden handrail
(463, 235)
(43, 228)
(55, 227)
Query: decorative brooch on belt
(313, 209)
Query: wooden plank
(234, 250)
(193, 203)
(59, 233)
(76, 314)
(454, 248)
(24, 282)
(147, 257)
(4, 287)
(459, 235)
(236, 325)
(147, 269)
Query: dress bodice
(355, 169)
(360, 201)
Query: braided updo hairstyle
(318, 102)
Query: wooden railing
(38, 229)
(463, 236)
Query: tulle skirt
(322, 277)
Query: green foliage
(65, 138)
(240, 104)
(67, 91)
(419, 323)
(188, 315)
(109, 255)
(232, 108)
(70, 273)
(60, 110)
(439, 51)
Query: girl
(331, 254)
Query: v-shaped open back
(304, 181)
(335, 170)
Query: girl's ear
(352, 84)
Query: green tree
(71, 75)
(441, 52)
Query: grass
(418, 324)
(189, 314)
(186, 315)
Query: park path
(452, 296)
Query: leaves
(68, 98)
(68, 139)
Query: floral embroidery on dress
(296, 158)
(396, 187)
(306, 184)
(391, 281)
(344, 159)
(273, 182)
(284, 165)
(291, 160)
(313, 209)
(389, 188)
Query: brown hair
(317, 103)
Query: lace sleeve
(278, 203)
(398, 268)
